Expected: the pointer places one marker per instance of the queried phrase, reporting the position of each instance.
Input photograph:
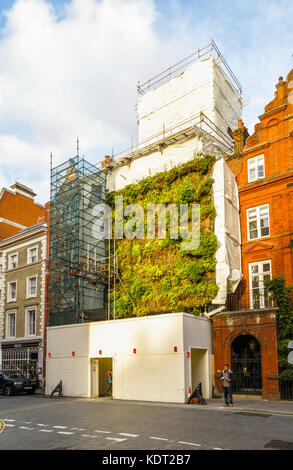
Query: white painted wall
(154, 373)
(73, 371)
(202, 341)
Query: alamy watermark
(135, 222)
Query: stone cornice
(248, 313)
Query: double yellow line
(2, 425)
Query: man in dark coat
(227, 380)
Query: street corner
(2, 425)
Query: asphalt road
(40, 423)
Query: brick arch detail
(247, 331)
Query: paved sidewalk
(281, 407)
(245, 405)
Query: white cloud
(74, 75)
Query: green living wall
(158, 275)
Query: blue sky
(70, 69)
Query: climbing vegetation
(158, 275)
(282, 295)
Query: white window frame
(9, 261)
(261, 288)
(28, 295)
(253, 162)
(9, 299)
(8, 313)
(258, 209)
(28, 254)
(27, 310)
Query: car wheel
(7, 391)
(31, 392)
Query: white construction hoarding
(156, 358)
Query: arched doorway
(246, 365)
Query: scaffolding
(196, 125)
(79, 267)
(209, 49)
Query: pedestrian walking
(227, 380)
(109, 379)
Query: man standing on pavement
(227, 378)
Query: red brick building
(18, 210)
(246, 335)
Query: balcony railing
(286, 388)
(252, 299)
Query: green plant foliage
(282, 296)
(157, 274)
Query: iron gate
(246, 366)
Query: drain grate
(247, 413)
(280, 445)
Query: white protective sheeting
(202, 87)
(227, 230)
(156, 162)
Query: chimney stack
(239, 136)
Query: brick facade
(18, 210)
(262, 326)
(272, 188)
(273, 138)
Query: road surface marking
(26, 428)
(60, 427)
(159, 438)
(189, 443)
(127, 435)
(10, 425)
(9, 420)
(46, 430)
(116, 439)
(103, 432)
(217, 448)
(42, 424)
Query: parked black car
(16, 384)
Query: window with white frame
(12, 291)
(32, 255)
(31, 286)
(31, 322)
(258, 222)
(256, 168)
(13, 261)
(11, 324)
(258, 273)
